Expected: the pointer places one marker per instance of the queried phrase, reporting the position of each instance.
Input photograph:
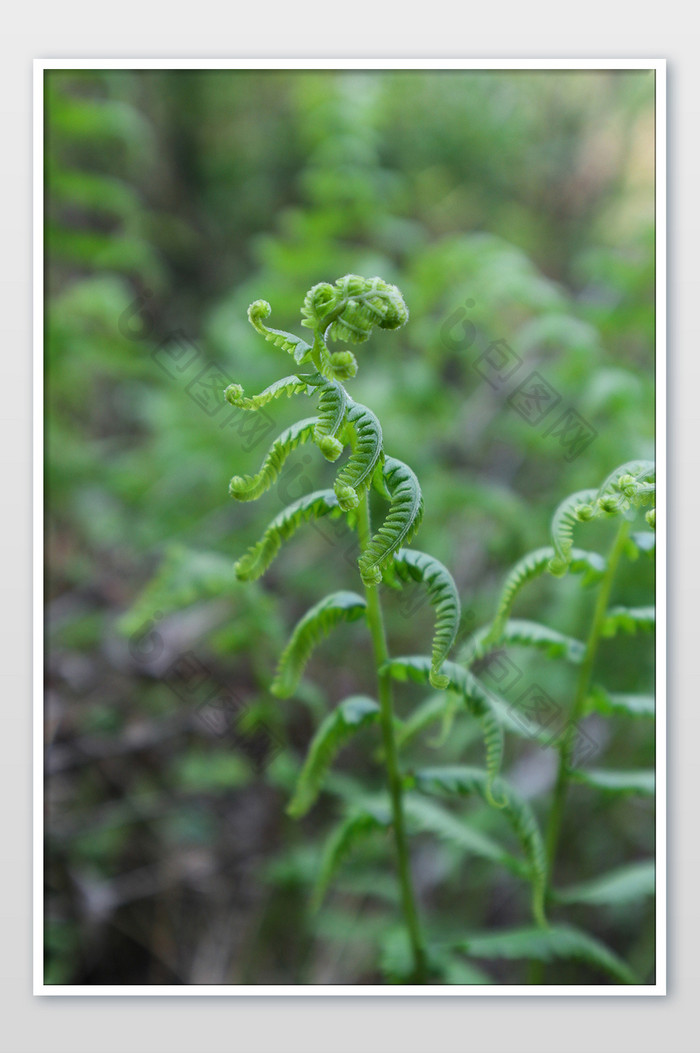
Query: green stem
(375, 619)
(568, 739)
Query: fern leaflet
(259, 557)
(339, 726)
(442, 592)
(250, 487)
(401, 523)
(317, 622)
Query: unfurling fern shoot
(348, 311)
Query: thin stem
(568, 739)
(375, 619)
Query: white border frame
(39, 987)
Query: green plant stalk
(556, 812)
(375, 620)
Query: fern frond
(494, 741)
(546, 945)
(425, 816)
(476, 700)
(519, 632)
(401, 523)
(343, 365)
(362, 821)
(317, 622)
(259, 557)
(467, 781)
(628, 483)
(332, 404)
(250, 487)
(338, 727)
(641, 783)
(531, 566)
(623, 885)
(411, 565)
(629, 620)
(286, 386)
(293, 345)
(477, 697)
(350, 309)
(365, 435)
(576, 508)
(613, 704)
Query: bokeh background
(508, 206)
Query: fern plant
(348, 311)
(627, 492)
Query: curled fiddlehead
(293, 345)
(442, 592)
(317, 622)
(590, 565)
(332, 407)
(350, 309)
(250, 487)
(259, 557)
(629, 485)
(364, 432)
(401, 523)
(286, 386)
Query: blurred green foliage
(508, 206)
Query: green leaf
(546, 945)
(466, 781)
(628, 883)
(626, 484)
(259, 557)
(351, 308)
(293, 345)
(317, 622)
(250, 487)
(590, 564)
(576, 508)
(338, 727)
(332, 405)
(476, 698)
(518, 632)
(286, 386)
(426, 817)
(363, 821)
(614, 704)
(364, 432)
(442, 593)
(629, 620)
(618, 782)
(401, 523)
